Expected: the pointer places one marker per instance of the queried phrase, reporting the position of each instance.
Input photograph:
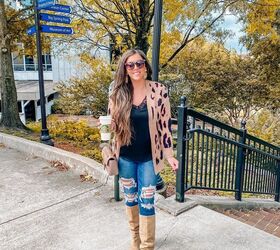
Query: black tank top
(140, 148)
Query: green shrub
(168, 175)
(34, 126)
(77, 131)
(77, 96)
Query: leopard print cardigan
(159, 124)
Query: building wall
(65, 66)
(31, 75)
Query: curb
(78, 163)
(175, 208)
(214, 202)
(171, 206)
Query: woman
(141, 118)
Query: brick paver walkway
(267, 220)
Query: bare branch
(19, 13)
(186, 39)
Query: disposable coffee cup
(105, 124)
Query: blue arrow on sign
(45, 3)
(58, 8)
(56, 29)
(55, 18)
(31, 30)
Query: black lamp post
(45, 137)
(155, 60)
(156, 39)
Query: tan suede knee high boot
(133, 220)
(147, 232)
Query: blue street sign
(56, 29)
(31, 30)
(58, 8)
(45, 3)
(55, 18)
(51, 29)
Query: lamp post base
(45, 137)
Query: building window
(18, 62)
(47, 62)
(28, 62)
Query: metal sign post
(45, 137)
(37, 28)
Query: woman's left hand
(173, 162)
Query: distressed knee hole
(131, 197)
(148, 192)
(147, 206)
(128, 183)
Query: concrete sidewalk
(43, 208)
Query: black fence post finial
(183, 101)
(243, 124)
(181, 150)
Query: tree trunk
(10, 115)
(142, 31)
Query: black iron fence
(213, 155)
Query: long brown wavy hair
(122, 97)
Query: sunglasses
(131, 65)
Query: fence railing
(213, 155)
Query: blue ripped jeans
(138, 181)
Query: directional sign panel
(31, 30)
(56, 29)
(51, 29)
(55, 18)
(45, 3)
(58, 8)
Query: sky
(231, 23)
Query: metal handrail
(275, 157)
(205, 118)
(214, 155)
(192, 112)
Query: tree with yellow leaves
(118, 25)
(220, 82)
(89, 93)
(262, 19)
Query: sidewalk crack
(51, 205)
(168, 233)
